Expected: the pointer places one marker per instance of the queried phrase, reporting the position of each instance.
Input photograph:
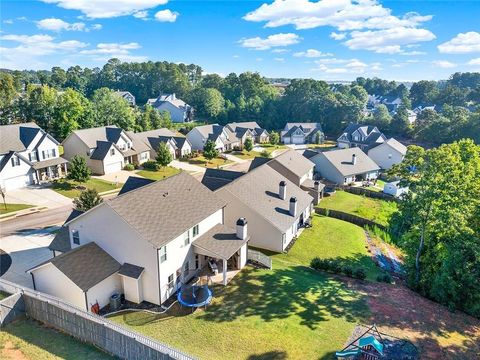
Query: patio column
(224, 272)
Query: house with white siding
(388, 153)
(127, 96)
(156, 239)
(107, 149)
(260, 135)
(363, 136)
(178, 109)
(28, 155)
(302, 133)
(224, 138)
(178, 145)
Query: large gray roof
(17, 137)
(219, 241)
(402, 149)
(165, 209)
(103, 133)
(146, 136)
(258, 189)
(342, 161)
(85, 265)
(294, 162)
(252, 125)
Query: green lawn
(288, 312)
(3, 295)
(214, 163)
(67, 187)
(271, 148)
(13, 207)
(164, 173)
(376, 210)
(28, 339)
(246, 155)
(330, 238)
(327, 145)
(378, 187)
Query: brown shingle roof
(342, 161)
(294, 161)
(165, 209)
(220, 241)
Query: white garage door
(109, 168)
(297, 139)
(16, 182)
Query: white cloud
(358, 19)
(444, 64)
(346, 66)
(413, 53)
(474, 62)
(338, 36)
(29, 50)
(96, 27)
(107, 8)
(141, 14)
(271, 41)
(166, 16)
(236, 56)
(280, 51)
(8, 21)
(279, 59)
(388, 41)
(311, 53)
(54, 24)
(463, 43)
(105, 51)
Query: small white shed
(393, 188)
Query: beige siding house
(388, 153)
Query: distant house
(28, 155)
(106, 149)
(388, 153)
(178, 144)
(412, 116)
(363, 136)
(179, 110)
(260, 135)
(302, 133)
(393, 188)
(224, 138)
(127, 96)
(345, 166)
(145, 244)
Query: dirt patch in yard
(10, 352)
(437, 332)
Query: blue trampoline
(194, 296)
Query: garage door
(109, 168)
(16, 182)
(297, 139)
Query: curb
(20, 213)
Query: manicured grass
(330, 238)
(246, 155)
(378, 187)
(3, 295)
(164, 173)
(28, 339)
(327, 145)
(288, 312)
(214, 163)
(376, 210)
(271, 148)
(67, 187)
(13, 207)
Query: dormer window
(15, 161)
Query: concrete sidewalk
(37, 196)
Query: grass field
(327, 145)
(13, 207)
(288, 312)
(67, 187)
(376, 210)
(330, 238)
(164, 173)
(28, 339)
(214, 163)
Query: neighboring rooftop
(103, 133)
(85, 265)
(293, 161)
(216, 178)
(17, 137)
(61, 241)
(342, 160)
(402, 149)
(131, 271)
(133, 183)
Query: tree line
(29, 95)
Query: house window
(186, 268)
(33, 156)
(15, 161)
(47, 154)
(195, 230)
(76, 237)
(170, 282)
(197, 261)
(163, 254)
(144, 155)
(389, 156)
(112, 151)
(186, 238)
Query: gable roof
(370, 132)
(169, 98)
(342, 160)
(221, 241)
(309, 153)
(101, 150)
(294, 162)
(304, 125)
(17, 137)
(398, 146)
(134, 182)
(252, 125)
(61, 241)
(165, 209)
(145, 137)
(216, 178)
(258, 161)
(103, 133)
(258, 189)
(85, 265)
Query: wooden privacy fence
(90, 328)
(259, 258)
(369, 193)
(354, 219)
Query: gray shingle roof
(134, 182)
(165, 209)
(61, 241)
(130, 270)
(85, 265)
(216, 178)
(294, 162)
(50, 162)
(145, 136)
(402, 149)
(17, 137)
(252, 125)
(101, 150)
(342, 161)
(102, 133)
(220, 241)
(258, 189)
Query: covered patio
(225, 249)
(50, 169)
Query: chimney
(282, 190)
(316, 185)
(354, 159)
(242, 228)
(174, 96)
(293, 206)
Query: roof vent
(282, 190)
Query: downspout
(33, 281)
(158, 274)
(86, 300)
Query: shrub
(129, 167)
(316, 263)
(335, 267)
(360, 273)
(348, 270)
(384, 278)
(150, 165)
(265, 154)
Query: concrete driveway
(38, 196)
(118, 176)
(187, 167)
(26, 249)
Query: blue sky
(321, 39)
